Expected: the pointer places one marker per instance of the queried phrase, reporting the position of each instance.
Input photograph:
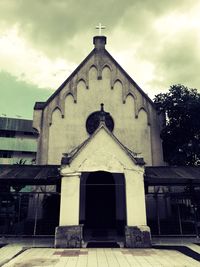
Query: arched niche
(81, 87)
(82, 92)
(130, 103)
(118, 85)
(117, 89)
(106, 72)
(143, 116)
(56, 115)
(93, 73)
(69, 103)
(81, 84)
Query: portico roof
(68, 157)
(48, 174)
(29, 174)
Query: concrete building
(18, 141)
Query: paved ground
(101, 258)
(93, 257)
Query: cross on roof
(100, 27)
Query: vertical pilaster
(70, 195)
(135, 198)
(137, 233)
(69, 232)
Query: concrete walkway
(20, 253)
(101, 258)
(8, 252)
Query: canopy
(171, 175)
(29, 174)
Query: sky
(43, 41)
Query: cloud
(155, 41)
(164, 49)
(18, 97)
(25, 62)
(52, 25)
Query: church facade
(103, 129)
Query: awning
(29, 174)
(50, 174)
(169, 175)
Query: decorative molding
(51, 114)
(147, 112)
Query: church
(104, 128)
(99, 148)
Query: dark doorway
(100, 208)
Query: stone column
(69, 232)
(137, 233)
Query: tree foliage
(181, 131)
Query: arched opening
(100, 208)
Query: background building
(18, 141)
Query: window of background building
(4, 133)
(5, 154)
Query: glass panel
(29, 213)
(175, 211)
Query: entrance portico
(102, 152)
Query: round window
(96, 117)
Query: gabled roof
(42, 105)
(68, 157)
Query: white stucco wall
(68, 132)
(61, 123)
(104, 153)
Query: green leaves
(181, 132)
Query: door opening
(103, 206)
(100, 208)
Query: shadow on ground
(185, 250)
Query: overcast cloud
(42, 41)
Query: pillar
(69, 232)
(137, 233)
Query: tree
(181, 131)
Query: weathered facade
(107, 128)
(98, 79)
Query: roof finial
(100, 27)
(102, 114)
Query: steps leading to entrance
(102, 244)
